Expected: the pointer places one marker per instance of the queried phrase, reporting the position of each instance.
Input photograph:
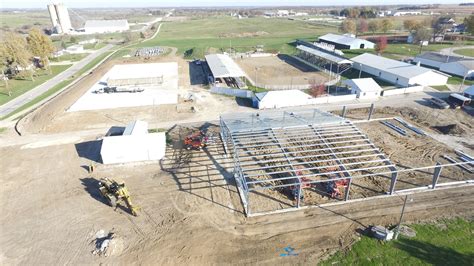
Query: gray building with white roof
(346, 41)
(398, 73)
(454, 65)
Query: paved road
(451, 51)
(38, 90)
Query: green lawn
(465, 52)
(94, 46)
(449, 242)
(441, 88)
(216, 33)
(458, 80)
(70, 57)
(20, 86)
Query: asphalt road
(452, 51)
(40, 89)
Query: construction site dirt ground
(190, 211)
(281, 70)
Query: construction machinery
(114, 192)
(196, 140)
(333, 187)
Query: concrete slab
(156, 94)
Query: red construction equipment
(195, 141)
(333, 188)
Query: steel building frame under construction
(297, 149)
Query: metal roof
(364, 84)
(106, 23)
(342, 39)
(469, 90)
(222, 66)
(395, 67)
(438, 57)
(325, 55)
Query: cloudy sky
(207, 3)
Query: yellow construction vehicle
(114, 192)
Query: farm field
(213, 34)
(20, 86)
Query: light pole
(463, 79)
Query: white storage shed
(135, 145)
(281, 98)
(365, 88)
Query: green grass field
(70, 57)
(449, 242)
(20, 86)
(465, 52)
(216, 33)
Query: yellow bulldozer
(114, 192)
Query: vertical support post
(393, 182)
(344, 110)
(371, 111)
(298, 200)
(346, 196)
(397, 230)
(436, 174)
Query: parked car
(439, 103)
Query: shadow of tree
(432, 254)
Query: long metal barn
(295, 153)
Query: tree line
(17, 53)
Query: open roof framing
(276, 149)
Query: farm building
(106, 26)
(134, 145)
(225, 71)
(134, 75)
(149, 84)
(321, 58)
(281, 98)
(397, 72)
(454, 65)
(365, 88)
(346, 41)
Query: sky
(210, 3)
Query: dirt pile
(451, 129)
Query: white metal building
(106, 26)
(135, 145)
(346, 41)
(365, 88)
(159, 82)
(135, 75)
(281, 98)
(454, 65)
(398, 73)
(222, 66)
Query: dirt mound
(451, 129)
